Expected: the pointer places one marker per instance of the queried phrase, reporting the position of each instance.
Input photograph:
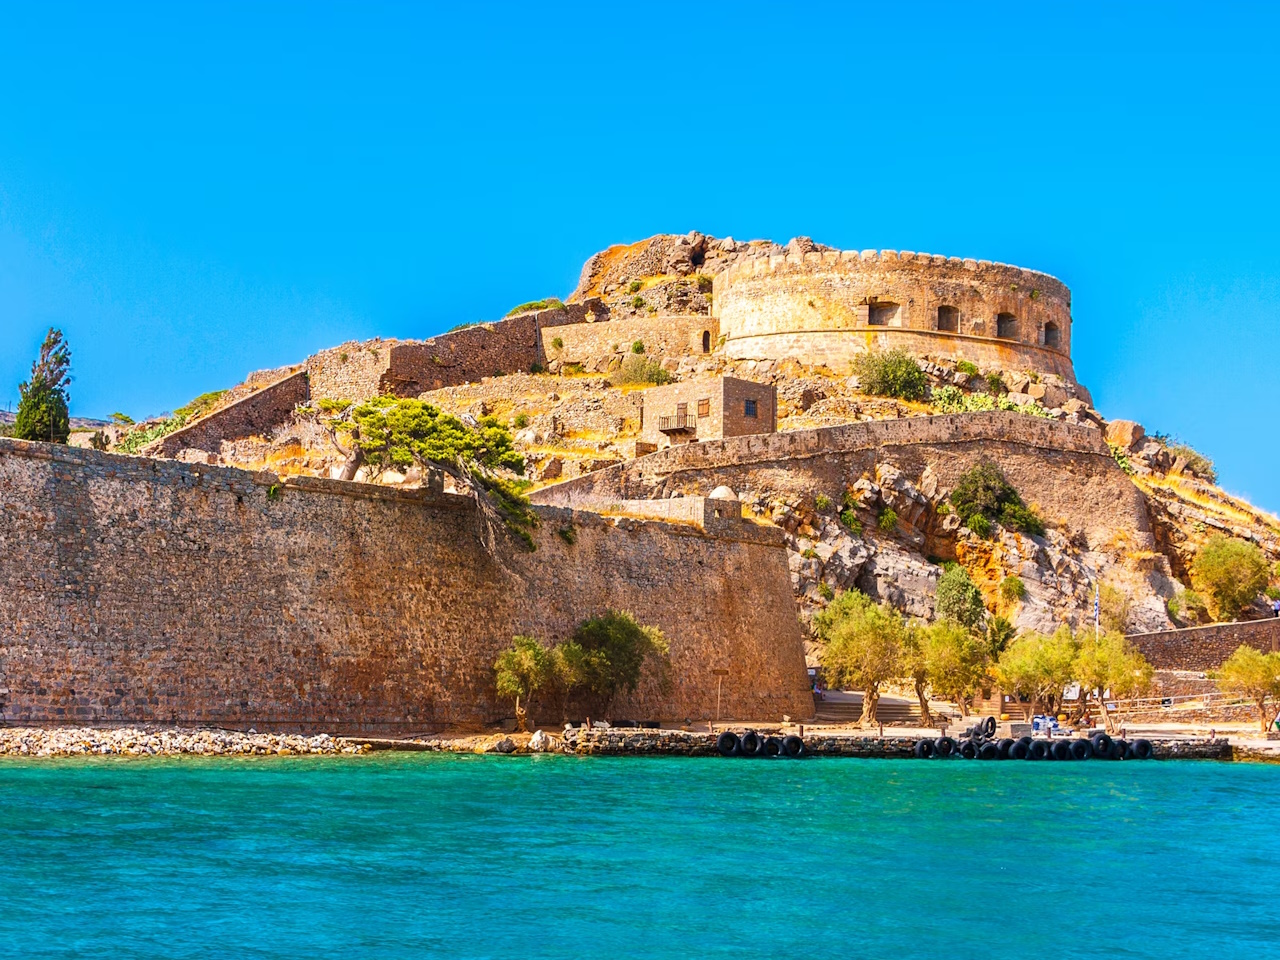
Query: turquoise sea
(412, 855)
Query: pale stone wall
(147, 590)
(1065, 471)
(254, 416)
(1205, 648)
(662, 336)
(828, 307)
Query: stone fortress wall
(827, 307)
(141, 590)
(1065, 470)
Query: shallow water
(412, 855)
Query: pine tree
(42, 410)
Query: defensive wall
(586, 332)
(827, 307)
(1205, 648)
(139, 590)
(254, 415)
(1066, 471)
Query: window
(704, 407)
(882, 314)
(1006, 326)
(749, 408)
(706, 341)
(949, 319)
(1051, 336)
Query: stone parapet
(1205, 648)
(254, 416)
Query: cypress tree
(42, 410)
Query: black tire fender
(1101, 744)
(1141, 750)
(1038, 750)
(944, 747)
(1061, 750)
(967, 749)
(989, 726)
(1119, 750)
(750, 743)
(1019, 750)
(989, 751)
(793, 746)
(1004, 746)
(771, 747)
(1081, 749)
(924, 749)
(728, 744)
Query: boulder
(1125, 434)
(1021, 399)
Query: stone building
(709, 409)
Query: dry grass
(1224, 505)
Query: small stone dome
(723, 493)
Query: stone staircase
(843, 706)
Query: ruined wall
(254, 416)
(830, 306)
(663, 336)
(146, 590)
(1065, 471)
(1205, 648)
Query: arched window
(949, 319)
(706, 341)
(882, 314)
(1052, 338)
(1006, 326)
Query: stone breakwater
(137, 742)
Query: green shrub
(892, 373)
(637, 302)
(637, 347)
(573, 369)
(557, 343)
(822, 502)
(887, 520)
(463, 326)
(122, 418)
(1012, 588)
(953, 400)
(959, 599)
(980, 525)
(535, 368)
(331, 406)
(136, 439)
(634, 286)
(520, 421)
(1197, 462)
(995, 386)
(965, 367)
(201, 405)
(1195, 606)
(809, 553)
(850, 520)
(638, 369)
(550, 303)
(1119, 455)
(568, 535)
(1173, 606)
(1231, 573)
(983, 491)
(615, 648)
(703, 282)
(825, 591)
(1273, 593)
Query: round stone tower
(826, 307)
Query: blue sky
(192, 192)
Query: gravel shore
(138, 741)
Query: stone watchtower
(826, 307)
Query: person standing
(1275, 606)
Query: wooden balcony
(680, 423)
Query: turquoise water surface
(413, 855)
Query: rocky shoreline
(145, 741)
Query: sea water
(413, 855)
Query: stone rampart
(139, 590)
(1205, 648)
(255, 415)
(1065, 471)
(830, 306)
(662, 336)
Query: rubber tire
(750, 743)
(651, 724)
(1081, 749)
(1119, 750)
(771, 747)
(989, 751)
(989, 726)
(793, 747)
(1019, 751)
(924, 750)
(1141, 750)
(944, 747)
(1061, 750)
(967, 749)
(1101, 744)
(1038, 750)
(1004, 746)
(728, 744)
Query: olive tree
(862, 646)
(1038, 667)
(1109, 668)
(1231, 573)
(521, 670)
(1253, 674)
(956, 661)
